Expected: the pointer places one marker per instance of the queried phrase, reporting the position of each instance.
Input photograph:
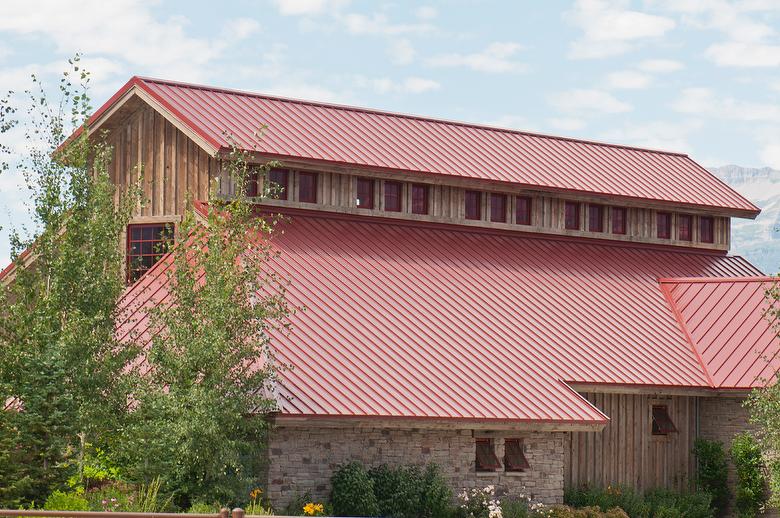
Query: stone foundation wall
(303, 459)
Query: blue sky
(698, 76)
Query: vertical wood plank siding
(626, 452)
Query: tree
(60, 366)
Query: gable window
(419, 198)
(684, 227)
(663, 225)
(307, 187)
(393, 196)
(596, 218)
(146, 244)
(486, 459)
(571, 215)
(365, 193)
(280, 183)
(514, 458)
(706, 229)
(498, 207)
(473, 200)
(619, 220)
(662, 423)
(523, 210)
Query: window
(393, 196)
(307, 187)
(662, 423)
(619, 220)
(706, 229)
(365, 193)
(419, 198)
(498, 207)
(486, 456)
(571, 215)
(280, 183)
(596, 218)
(663, 225)
(684, 227)
(145, 246)
(473, 201)
(523, 210)
(514, 458)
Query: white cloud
(580, 101)
(567, 123)
(306, 7)
(241, 28)
(426, 12)
(660, 66)
(704, 102)
(610, 28)
(740, 54)
(668, 136)
(497, 57)
(628, 79)
(401, 52)
(409, 85)
(379, 24)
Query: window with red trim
(571, 215)
(663, 223)
(619, 220)
(662, 422)
(498, 207)
(419, 198)
(280, 182)
(365, 193)
(393, 196)
(486, 459)
(307, 187)
(146, 244)
(684, 229)
(706, 229)
(523, 210)
(596, 218)
(473, 201)
(514, 458)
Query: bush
(204, 508)
(659, 503)
(712, 473)
(436, 498)
(61, 501)
(663, 503)
(613, 496)
(563, 511)
(751, 490)
(353, 491)
(398, 491)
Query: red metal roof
(727, 325)
(389, 141)
(425, 321)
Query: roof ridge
(389, 113)
(704, 280)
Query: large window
(523, 210)
(393, 192)
(146, 244)
(571, 215)
(706, 229)
(473, 201)
(663, 225)
(619, 220)
(498, 207)
(419, 198)
(596, 218)
(307, 187)
(365, 193)
(486, 459)
(684, 227)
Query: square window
(419, 198)
(596, 218)
(514, 458)
(498, 207)
(280, 182)
(146, 244)
(706, 229)
(473, 200)
(486, 456)
(571, 211)
(619, 220)
(365, 193)
(684, 227)
(393, 196)
(307, 187)
(663, 225)
(662, 423)
(523, 210)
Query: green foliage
(149, 499)
(61, 501)
(203, 508)
(751, 483)
(653, 504)
(353, 491)
(436, 498)
(563, 511)
(295, 506)
(409, 491)
(663, 502)
(712, 473)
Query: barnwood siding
(626, 452)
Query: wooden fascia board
(657, 390)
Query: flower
(312, 509)
(255, 493)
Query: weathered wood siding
(626, 452)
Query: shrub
(353, 491)
(659, 503)
(613, 496)
(663, 503)
(204, 508)
(398, 491)
(479, 503)
(751, 491)
(712, 473)
(61, 501)
(564, 511)
(436, 495)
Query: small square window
(307, 187)
(486, 459)
(706, 229)
(523, 210)
(514, 458)
(393, 196)
(663, 225)
(596, 218)
(419, 198)
(498, 207)
(571, 215)
(365, 193)
(619, 220)
(662, 423)
(684, 227)
(280, 182)
(473, 202)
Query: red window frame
(707, 229)
(662, 422)
(498, 206)
(280, 182)
(523, 206)
(307, 187)
(146, 244)
(473, 205)
(663, 225)
(365, 193)
(419, 198)
(393, 195)
(514, 457)
(485, 457)
(571, 215)
(595, 218)
(619, 220)
(684, 227)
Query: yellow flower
(255, 493)
(312, 509)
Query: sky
(695, 76)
